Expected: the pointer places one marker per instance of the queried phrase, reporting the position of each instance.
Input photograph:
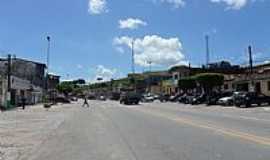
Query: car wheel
(259, 104)
(248, 105)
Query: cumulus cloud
(174, 3)
(105, 74)
(97, 6)
(131, 23)
(79, 66)
(155, 49)
(233, 4)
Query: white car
(226, 101)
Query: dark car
(74, 99)
(115, 96)
(175, 98)
(199, 99)
(250, 98)
(62, 99)
(213, 98)
(164, 98)
(91, 97)
(186, 98)
(130, 98)
(189, 99)
(182, 99)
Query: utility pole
(207, 50)
(251, 67)
(150, 66)
(47, 71)
(9, 72)
(250, 59)
(149, 79)
(9, 81)
(132, 59)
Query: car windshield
(134, 79)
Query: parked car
(102, 98)
(62, 99)
(175, 98)
(250, 98)
(189, 99)
(156, 97)
(226, 101)
(130, 98)
(199, 99)
(164, 98)
(185, 98)
(215, 96)
(147, 98)
(182, 99)
(74, 99)
(91, 97)
(115, 96)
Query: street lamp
(48, 38)
(132, 58)
(48, 52)
(149, 62)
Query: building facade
(27, 79)
(258, 80)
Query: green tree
(65, 87)
(187, 83)
(210, 80)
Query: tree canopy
(187, 83)
(210, 80)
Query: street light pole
(149, 79)
(132, 59)
(47, 71)
(48, 52)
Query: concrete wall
(264, 87)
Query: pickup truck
(251, 98)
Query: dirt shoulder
(23, 130)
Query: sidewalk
(23, 130)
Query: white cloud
(160, 51)
(175, 3)
(233, 4)
(105, 74)
(79, 66)
(131, 23)
(97, 6)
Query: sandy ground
(23, 130)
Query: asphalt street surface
(159, 131)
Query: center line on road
(225, 131)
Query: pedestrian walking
(23, 102)
(85, 103)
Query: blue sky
(88, 40)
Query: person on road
(85, 102)
(23, 102)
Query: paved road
(156, 131)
